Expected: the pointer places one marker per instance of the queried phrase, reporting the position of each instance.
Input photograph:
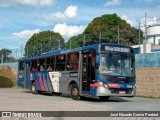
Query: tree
(107, 26)
(5, 55)
(43, 42)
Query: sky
(20, 19)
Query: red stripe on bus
(96, 85)
(113, 85)
(41, 83)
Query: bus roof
(65, 50)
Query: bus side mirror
(97, 61)
(97, 65)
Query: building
(152, 39)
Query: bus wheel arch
(33, 87)
(70, 85)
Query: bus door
(21, 74)
(88, 71)
(27, 83)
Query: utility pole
(139, 38)
(118, 36)
(27, 51)
(70, 42)
(2, 58)
(41, 48)
(6, 56)
(16, 53)
(59, 44)
(21, 51)
(49, 46)
(145, 37)
(100, 35)
(33, 50)
(84, 37)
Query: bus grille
(116, 91)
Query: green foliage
(107, 25)
(43, 42)
(6, 54)
(76, 41)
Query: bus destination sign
(117, 49)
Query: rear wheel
(104, 97)
(74, 91)
(33, 88)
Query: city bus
(98, 70)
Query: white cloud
(25, 34)
(131, 22)
(29, 3)
(144, 1)
(113, 3)
(68, 31)
(69, 13)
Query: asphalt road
(17, 99)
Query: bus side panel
(43, 82)
(44, 78)
(94, 86)
(93, 90)
(39, 82)
(20, 78)
(65, 78)
(34, 77)
(63, 82)
(50, 87)
(47, 82)
(28, 81)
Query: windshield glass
(111, 64)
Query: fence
(13, 65)
(148, 60)
(14, 55)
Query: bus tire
(104, 97)
(33, 88)
(74, 92)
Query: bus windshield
(113, 64)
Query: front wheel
(33, 88)
(74, 91)
(104, 97)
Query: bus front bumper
(101, 91)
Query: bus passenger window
(34, 66)
(57, 68)
(41, 68)
(21, 66)
(72, 61)
(41, 65)
(50, 64)
(60, 62)
(33, 69)
(75, 66)
(49, 69)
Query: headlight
(100, 83)
(134, 86)
(104, 85)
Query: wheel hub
(74, 91)
(33, 88)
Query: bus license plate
(122, 92)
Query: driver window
(21, 66)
